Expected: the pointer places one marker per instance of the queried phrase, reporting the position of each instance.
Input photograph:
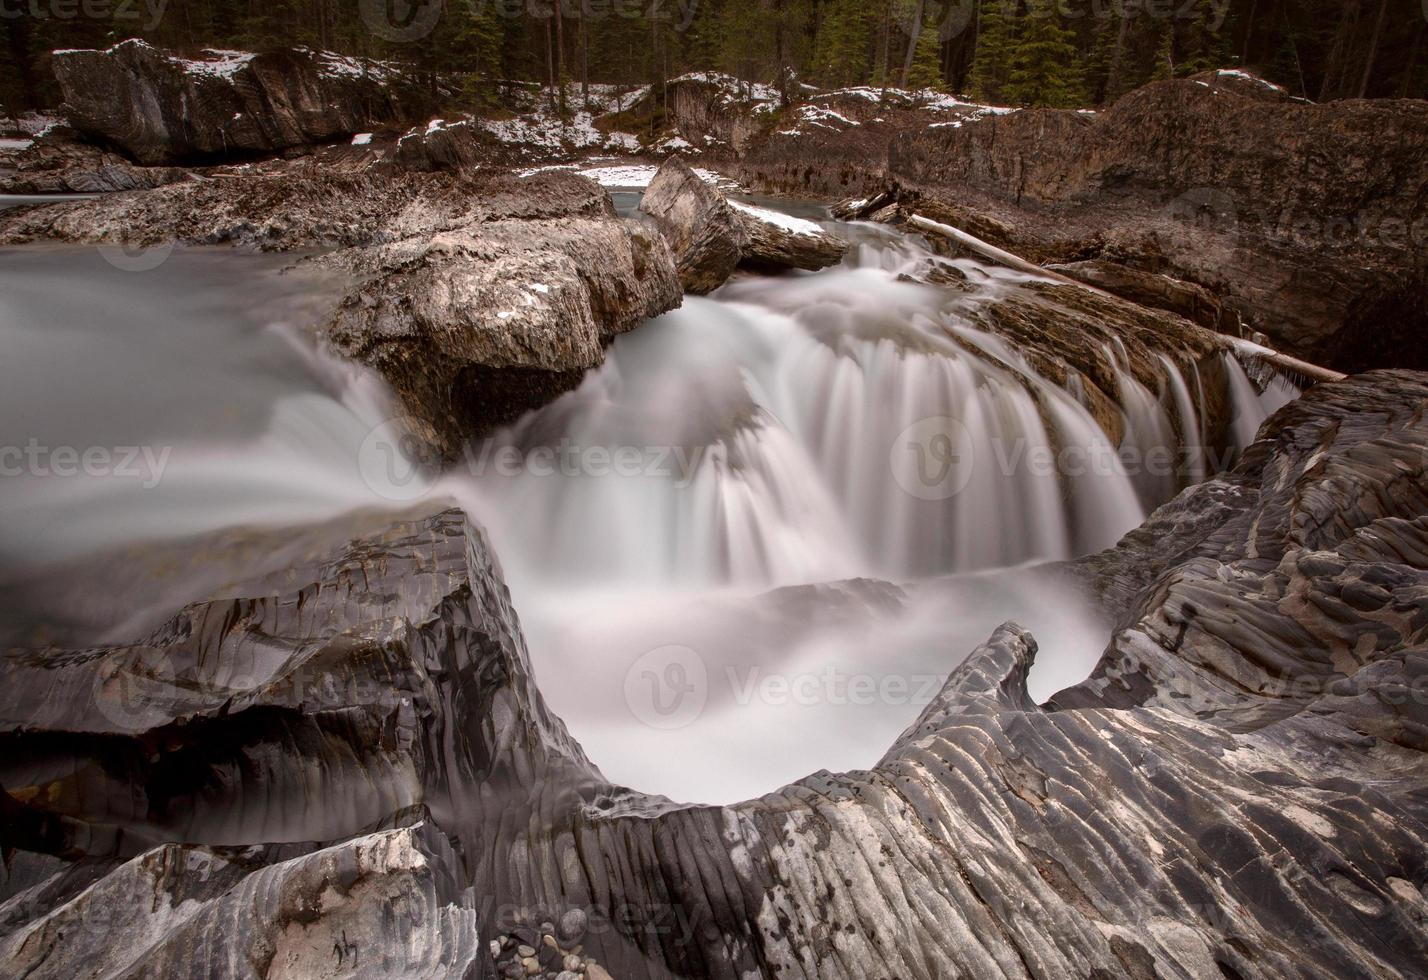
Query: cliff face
(163, 109)
(349, 758)
(1309, 220)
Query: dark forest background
(1045, 52)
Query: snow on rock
(796, 226)
(628, 176)
(362, 139)
(1246, 76)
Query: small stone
(571, 962)
(532, 966)
(547, 928)
(572, 925)
(495, 948)
(568, 975)
(525, 950)
(549, 940)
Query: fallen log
(1259, 356)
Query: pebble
(571, 962)
(572, 924)
(568, 975)
(531, 965)
(525, 950)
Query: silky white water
(750, 546)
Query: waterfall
(799, 487)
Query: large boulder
(479, 323)
(703, 231)
(162, 109)
(476, 297)
(780, 241)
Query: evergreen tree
(1164, 56)
(1207, 45)
(1043, 65)
(926, 69)
(996, 36)
(844, 43)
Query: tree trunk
(912, 41)
(1373, 49)
(584, 54)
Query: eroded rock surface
(1186, 177)
(1236, 790)
(162, 109)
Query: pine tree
(1165, 56)
(1043, 64)
(996, 36)
(1207, 44)
(844, 43)
(926, 69)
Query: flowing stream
(749, 547)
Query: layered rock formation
(162, 109)
(1233, 792)
(1189, 178)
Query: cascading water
(750, 546)
(809, 428)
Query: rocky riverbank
(1231, 791)
(335, 760)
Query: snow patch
(1236, 73)
(797, 226)
(362, 139)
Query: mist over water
(750, 546)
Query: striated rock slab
(711, 235)
(57, 161)
(705, 235)
(1236, 791)
(777, 241)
